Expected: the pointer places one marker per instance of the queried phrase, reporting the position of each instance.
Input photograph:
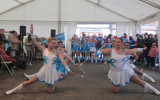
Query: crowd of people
(12, 48)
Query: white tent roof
(78, 10)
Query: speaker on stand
(53, 33)
(22, 33)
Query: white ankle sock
(19, 87)
(149, 87)
(144, 75)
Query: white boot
(19, 87)
(28, 76)
(30, 64)
(144, 75)
(78, 58)
(148, 87)
(92, 60)
(96, 59)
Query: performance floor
(92, 85)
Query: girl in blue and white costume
(74, 47)
(93, 49)
(59, 66)
(79, 49)
(132, 66)
(87, 49)
(119, 72)
(48, 72)
(83, 49)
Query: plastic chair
(4, 64)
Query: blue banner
(60, 37)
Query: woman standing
(14, 43)
(30, 49)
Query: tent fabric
(77, 10)
(128, 28)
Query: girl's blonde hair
(50, 39)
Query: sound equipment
(53, 32)
(23, 30)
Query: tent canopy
(78, 10)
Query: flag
(31, 28)
(60, 37)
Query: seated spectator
(2, 36)
(152, 55)
(5, 56)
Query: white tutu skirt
(120, 78)
(132, 66)
(47, 75)
(93, 49)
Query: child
(93, 48)
(152, 55)
(87, 49)
(74, 47)
(83, 49)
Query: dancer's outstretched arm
(103, 51)
(65, 50)
(64, 63)
(71, 60)
(132, 51)
(135, 58)
(41, 48)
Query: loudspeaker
(53, 32)
(23, 30)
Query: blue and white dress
(108, 45)
(119, 72)
(83, 47)
(48, 72)
(60, 67)
(87, 49)
(75, 47)
(132, 66)
(79, 48)
(93, 47)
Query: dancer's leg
(22, 85)
(50, 89)
(59, 76)
(115, 89)
(138, 71)
(144, 84)
(144, 75)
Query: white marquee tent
(64, 15)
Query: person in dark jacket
(140, 41)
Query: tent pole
(59, 17)
(158, 33)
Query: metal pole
(59, 18)
(158, 33)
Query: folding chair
(4, 64)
